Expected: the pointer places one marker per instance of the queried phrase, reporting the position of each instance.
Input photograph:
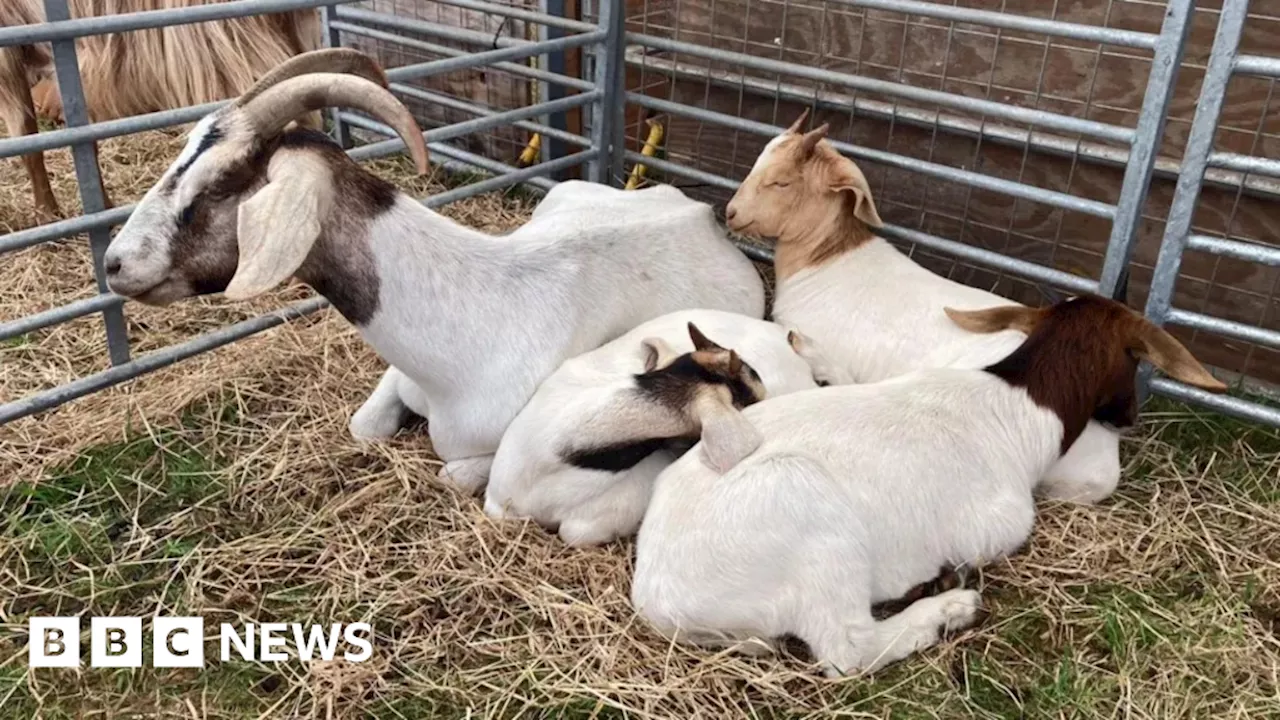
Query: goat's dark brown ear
(811, 139)
(1166, 353)
(700, 341)
(799, 123)
(735, 363)
(990, 320)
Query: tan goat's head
(800, 182)
(246, 200)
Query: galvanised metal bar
(519, 13)
(509, 67)
(85, 155)
(1009, 21)
(468, 127)
(1225, 404)
(961, 103)
(61, 314)
(981, 256)
(452, 102)
(49, 140)
(1247, 251)
(153, 361)
(1245, 163)
(65, 228)
(493, 167)
(608, 116)
(1227, 328)
(1195, 160)
(431, 68)
(978, 180)
(1258, 65)
(509, 179)
(1142, 153)
(67, 29)
(423, 27)
(333, 38)
(1009, 135)
(992, 259)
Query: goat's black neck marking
(617, 456)
(211, 137)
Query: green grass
(1168, 607)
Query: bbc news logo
(178, 642)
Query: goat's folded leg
(868, 645)
(384, 413)
(469, 474)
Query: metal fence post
(1165, 62)
(609, 112)
(88, 175)
(1195, 160)
(340, 131)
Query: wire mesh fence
(1016, 145)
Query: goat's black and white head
(245, 202)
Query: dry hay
(227, 486)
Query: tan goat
(142, 71)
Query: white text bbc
(179, 642)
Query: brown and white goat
(874, 311)
(860, 493)
(474, 321)
(143, 71)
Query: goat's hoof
(469, 475)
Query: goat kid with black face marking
(859, 493)
(474, 322)
(583, 454)
(875, 311)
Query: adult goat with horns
(473, 322)
(141, 71)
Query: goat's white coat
(588, 402)
(936, 468)
(878, 314)
(476, 322)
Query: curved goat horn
(276, 106)
(330, 60)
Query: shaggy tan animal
(142, 71)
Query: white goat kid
(475, 322)
(870, 307)
(860, 493)
(583, 454)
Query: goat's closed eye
(779, 184)
(187, 215)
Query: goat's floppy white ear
(727, 435)
(657, 353)
(278, 226)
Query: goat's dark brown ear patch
(700, 341)
(735, 363)
(990, 320)
(1166, 353)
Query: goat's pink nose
(730, 212)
